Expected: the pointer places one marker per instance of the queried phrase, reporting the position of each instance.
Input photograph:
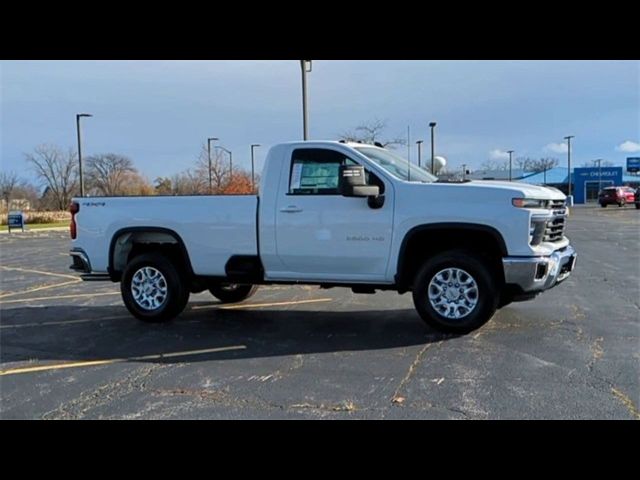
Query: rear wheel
(622, 203)
(153, 289)
(603, 205)
(637, 206)
(455, 292)
(233, 292)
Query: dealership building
(586, 182)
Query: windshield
(396, 165)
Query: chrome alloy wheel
(453, 293)
(149, 288)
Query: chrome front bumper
(535, 274)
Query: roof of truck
(330, 142)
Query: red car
(616, 195)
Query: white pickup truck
(332, 214)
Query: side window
(315, 171)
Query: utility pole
(568, 139)
(230, 159)
(510, 152)
(419, 142)
(464, 172)
(433, 147)
(78, 117)
(209, 140)
(306, 67)
(253, 181)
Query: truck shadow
(67, 333)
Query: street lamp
(253, 181)
(419, 142)
(510, 152)
(78, 117)
(305, 65)
(209, 140)
(433, 147)
(568, 139)
(230, 158)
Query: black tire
(177, 292)
(622, 203)
(487, 294)
(637, 206)
(603, 205)
(233, 292)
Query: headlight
(529, 203)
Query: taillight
(73, 208)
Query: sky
(160, 113)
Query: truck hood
(527, 190)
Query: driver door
(321, 235)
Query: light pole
(433, 147)
(209, 140)
(464, 172)
(305, 65)
(230, 159)
(568, 139)
(78, 117)
(510, 152)
(599, 174)
(419, 142)
(253, 181)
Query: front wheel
(637, 206)
(603, 205)
(233, 292)
(153, 289)
(622, 203)
(455, 292)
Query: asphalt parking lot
(69, 350)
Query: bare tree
(163, 186)
(540, 164)
(57, 170)
(495, 165)
(26, 192)
(371, 132)
(108, 174)
(219, 170)
(8, 183)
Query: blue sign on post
(15, 220)
(633, 164)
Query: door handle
(291, 209)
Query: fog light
(541, 271)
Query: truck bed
(212, 228)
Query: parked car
(637, 198)
(616, 196)
(335, 215)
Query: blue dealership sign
(587, 181)
(633, 164)
(15, 220)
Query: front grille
(554, 230)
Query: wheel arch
(124, 242)
(422, 241)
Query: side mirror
(352, 182)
